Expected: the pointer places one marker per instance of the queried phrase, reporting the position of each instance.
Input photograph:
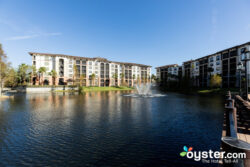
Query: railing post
(231, 118)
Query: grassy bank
(112, 88)
(204, 91)
(221, 91)
(212, 91)
(98, 89)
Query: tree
(122, 78)
(82, 78)
(4, 65)
(133, 78)
(153, 77)
(12, 79)
(22, 73)
(115, 77)
(215, 81)
(53, 74)
(41, 71)
(33, 73)
(93, 79)
(138, 79)
(75, 70)
(149, 78)
(143, 79)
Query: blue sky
(153, 32)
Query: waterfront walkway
(241, 116)
(236, 127)
(243, 119)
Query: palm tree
(143, 79)
(148, 80)
(93, 78)
(22, 73)
(133, 78)
(138, 79)
(41, 71)
(115, 76)
(153, 77)
(122, 77)
(32, 73)
(82, 77)
(75, 69)
(53, 74)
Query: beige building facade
(87, 71)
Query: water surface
(107, 129)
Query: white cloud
(32, 36)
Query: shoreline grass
(98, 89)
(204, 91)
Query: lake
(107, 129)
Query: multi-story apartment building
(168, 72)
(95, 71)
(203, 68)
(180, 69)
(187, 68)
(214, 63)
(195, 72)
(223, 63)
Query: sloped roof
(88, 58)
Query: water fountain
(144, 90)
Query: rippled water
(106, 129)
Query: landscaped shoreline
(98, 89)
(62, 88)
(200, 91)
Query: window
(217, 57)
(224, 55)
(217, 63)
(77, 61)
(233, 53)
(83, 62)
(90, 62)
(46, 63)
(70, 66)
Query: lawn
(112, 88)
(209, 91)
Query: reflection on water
(106, 128)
